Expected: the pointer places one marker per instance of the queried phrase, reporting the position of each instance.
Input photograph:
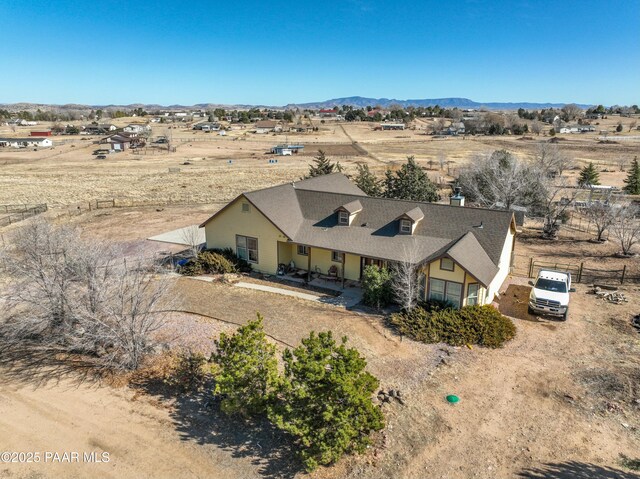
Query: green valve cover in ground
(452, 398)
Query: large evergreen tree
(367, 181)
(322, 166)
(633, 179)
(589, 176)
(410, 183)
(248, 369)
(326, 400)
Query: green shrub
(436, 323)
(215, 263)
(188, 371)
(325, 400)
(240, 264)
(193, 267)
(376, 286)
(208, 262)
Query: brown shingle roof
(351, 207)
(305, 212)
(468, 253)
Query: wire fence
(529, 267)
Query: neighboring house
(392, 126)
(123, 141)
(267, 126)
(98, 129)
(577, 129)
(283, 150)
(326, 113)
(39, 142)
(300, 128)
(207, 126)
(464, 254)
(136, 128)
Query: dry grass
(68, 173)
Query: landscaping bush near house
(208, 262)
(376, 287)
(241, 265)
(437, 323)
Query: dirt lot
(559, 401)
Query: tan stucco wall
(221, 232)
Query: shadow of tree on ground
(575, 470)
(198, 418)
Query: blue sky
(278, 52)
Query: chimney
(457, 199)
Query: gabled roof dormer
(347, 212)
(408, 221)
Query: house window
(247, 248)
(405, 226)
(343, 217)
(336, 256)
(454, 293)
(446, 264)
(445, 291)
(436, 289)
(422, 286)
(472, 294)
(245, 207)
(303, 250)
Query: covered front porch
(320, 267)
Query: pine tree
(322, 166)
(633, 178)
(326, 400)
(589, 176)
(248, 370)
(410, 183)
(367, 181)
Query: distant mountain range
(461, 103)
(355, 101)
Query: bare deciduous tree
(551, 160)
(192, 237)
(626, 227)
(536, 127)
(68, 296)
(500, 180)
(601, 215)
(404, 279)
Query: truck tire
(565, 315)
(531, 311)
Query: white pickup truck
(550, 293)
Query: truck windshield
(551, 285)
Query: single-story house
(300, 128)
(207, 126)
(267, 126)
(136, 128)
(576, 129)
(327, 113)
(392, 126)
(39, 142)
(281, 149)
(122, 141)
(327, 224)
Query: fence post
(580, 272)
(89, 205)
(624, 270)
(530, 267)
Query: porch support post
(344, 260)
(309, 265)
